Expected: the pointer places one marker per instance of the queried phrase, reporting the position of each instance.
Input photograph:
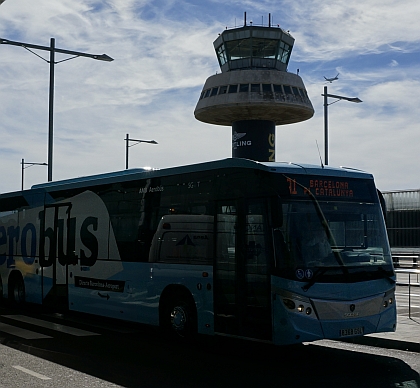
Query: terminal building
(403, 218)
(403, 225)
(254, 92)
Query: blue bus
(275, 252)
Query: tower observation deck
(254, 92)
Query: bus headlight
(289, 304)
(388, 300)
(297, 304)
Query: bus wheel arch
(16, 288)
(177, 311)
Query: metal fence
(413, 281)
(406, 260)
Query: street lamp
(339, 98)
(27, 164)
(127, 146)
(52, 49)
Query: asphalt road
(81, 351)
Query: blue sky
(163, 51)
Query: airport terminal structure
(254, 92)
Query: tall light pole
(339, 98)
(27, 164)
(127, 146)
(52, 49)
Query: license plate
(353, 331)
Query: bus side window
(183, 239)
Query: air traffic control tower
(254, 92)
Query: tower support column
(254, 139)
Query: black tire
(16, 291)
(179, 318)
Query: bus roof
(142, 173)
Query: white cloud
(163, 54)
(329, 30)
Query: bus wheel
(180, 318)
(16, 290)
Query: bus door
(55, 253)
(242, 292)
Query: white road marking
(30, 372)
(51, 325)
(23, 333)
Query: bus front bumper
(298, 319)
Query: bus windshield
(332, 242)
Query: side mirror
(382, 202)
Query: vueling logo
(236, 142)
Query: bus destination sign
(330, 188)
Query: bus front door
(242, 293)
(55, 252)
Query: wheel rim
(178, 318)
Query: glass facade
(403, 218)
(283, 52)
(281, 92)
(221, 54)
(254, 48)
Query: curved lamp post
(127, 146)
(339, 98)
(52, 49)
(27, 164)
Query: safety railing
(415, 283)
(405, 260)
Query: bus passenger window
(183, 239)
